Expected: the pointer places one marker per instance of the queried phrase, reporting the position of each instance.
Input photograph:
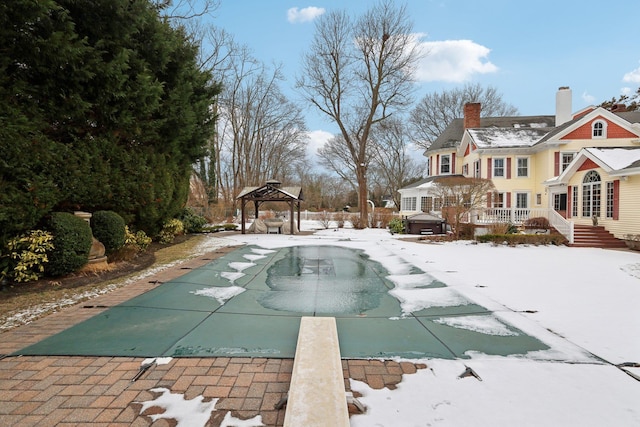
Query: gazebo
(272, 191)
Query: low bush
(72, 240)
(502, 228)
(109, 228)
(170, 230)
(192, 222)
(25, 256)
(537, 222)
(523, 239)
(396, 225)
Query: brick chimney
(618, 108)
(472, 115)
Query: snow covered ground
(582, 302)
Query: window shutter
(489, 168)
(569, 200)
(556, 163)
(489, 199)
(508, 167)
(453, 164)
(508, 201)
(616, 199)
(438, 164)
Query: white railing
(518, 216)
(515, 216)
(561, 224)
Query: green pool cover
(249, 303)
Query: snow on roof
(616, 158)
(507, 137)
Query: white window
(497, 201)
(427, 171)
(566, 159)
(408, 203)
(522, 167)
(522, 200)
(599, 129)
(445, 164)
(498, 167)
(610, 199)
(426, 204)
(465, 169)
(538, 199)
(476, 169)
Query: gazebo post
(243, 202)
(291, 217)
(298, 206)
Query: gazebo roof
(271, 192)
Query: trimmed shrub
(72, 240)
(109, 228)
(523, 239)
(396, 225)
(170, 230)
(26, 256)
(192, 222)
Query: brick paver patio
(99, 391)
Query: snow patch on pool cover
(488, 325)
(222, 295)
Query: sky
(581, 302)
(527, 50)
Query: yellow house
(526, 158)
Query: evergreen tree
(103, 107)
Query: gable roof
(616, 161)
(452, 135)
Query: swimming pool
(248, 304)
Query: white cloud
(317, 138)
(632, 76)
(626, 91)
(453, 61)
(295, 15)
(589, 99)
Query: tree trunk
(363, 196)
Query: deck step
(595, 237)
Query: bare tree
(186, 10)
(260, 133)
(460, 196)
(631, 102)
(357, 73)
(436, 111)
(391, 158)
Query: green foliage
(138, 240)
(396, 225)
(192, 223)
(170, 230)
(102, 107)
(72, 241)
(26, 256)
(523, 239)
(108, 227)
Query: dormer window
(599, 129)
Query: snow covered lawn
(581, 302)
